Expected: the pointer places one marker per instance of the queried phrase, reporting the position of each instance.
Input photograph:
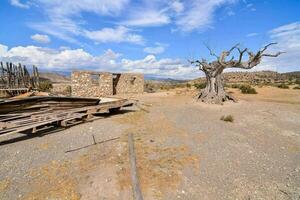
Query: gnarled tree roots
(214, 98)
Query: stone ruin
(100, 84)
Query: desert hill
(259, 77)
(54, 77)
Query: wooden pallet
(32, 122)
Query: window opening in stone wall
(95, 79)
(132, 80)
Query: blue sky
(155, 37)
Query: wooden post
(37, 77)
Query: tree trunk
(214, 91)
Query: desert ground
(184, 151)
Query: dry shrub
(200, 85)
(247, 89)
(235, 85)
(45, 86)
(297, 87)
(227, 118)
(283, 86)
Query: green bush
(188, 85)
(297, 81)
(45, 86)
(200, 85)
(227, 118)
(247, 89)
(283, 86)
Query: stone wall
(91, 84)
(130, 83)
(100, 84)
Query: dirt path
(184, 151)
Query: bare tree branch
(265, 47)
(197, 63)
(273, 55)
(224, 54)
(234, 47)
(210, 51)
(241, 53)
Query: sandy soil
(184, 151)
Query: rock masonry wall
(89, 84)
(100, 84)
(130, 83)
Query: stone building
(100, 84)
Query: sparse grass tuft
(227, 118)
(283, 86)
(247, 89)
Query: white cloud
(55, 8)
(17, 3)
(78, 59)
(147, 18)
(157, 49)
(58, 59)
(252, 34)
(250, 6)
(58, 30)
(119, 34)
(200, 14)
(40, 38)
(165, 67)
(177, 6)
(65, 20)
(3, 49)
(288, 38)
(230, 13)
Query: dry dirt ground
(184, 151)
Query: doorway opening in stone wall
(116, 78)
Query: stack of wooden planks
(32, 114)
(36, 103)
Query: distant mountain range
(64, 77)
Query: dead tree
(214, 91)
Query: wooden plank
(137, 194)
(14, 89)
